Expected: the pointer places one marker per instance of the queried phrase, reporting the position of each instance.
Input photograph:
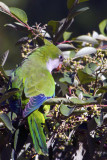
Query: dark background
(41, 11)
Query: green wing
(34, 78)
(39, 82)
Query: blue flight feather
(34, 103)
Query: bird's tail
(36, 123)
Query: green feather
(36, 123)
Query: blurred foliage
(42, 12)
(76, 121)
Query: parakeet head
(53, 56)
(49, 55)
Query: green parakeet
(36, 84)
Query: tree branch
(66, 101)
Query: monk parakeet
(34, 80)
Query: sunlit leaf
(78, 101)
(66, 110)
(66, 54)
(102, 38)
(90, 68)
(84, 94)
(85, 51)
(66, 35)
(72, 54)
(80, 96)
(65, 47)
(8, 72)
(4, 57)
(103, 26)
(79, 11)
(20, 14)
(66, 78)
(88, 39)
(4, 8)
(16, 138)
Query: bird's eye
(61, 58)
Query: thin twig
(13, 16)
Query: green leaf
(4, 57)
(78, 92)
(54, 25)
(83, 1)
(72, 54)
(84, 77)
(91, 100)
(6, 121)
(63, 86)
(102, 26)
(70, 3)
(66, 35)
(20, 137)
(66, 79)
(102, 38)
(99, 120)
(85, 51)
(102, 90)
(65, 47)
(78, 101)
(8, 94)
(86, 95)
(79, 11)
(68, 54)
(66, 110)
(8, 72)
(88, 39)
(20, 14)
(90, 68)
(16, 138)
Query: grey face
(54, 63)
